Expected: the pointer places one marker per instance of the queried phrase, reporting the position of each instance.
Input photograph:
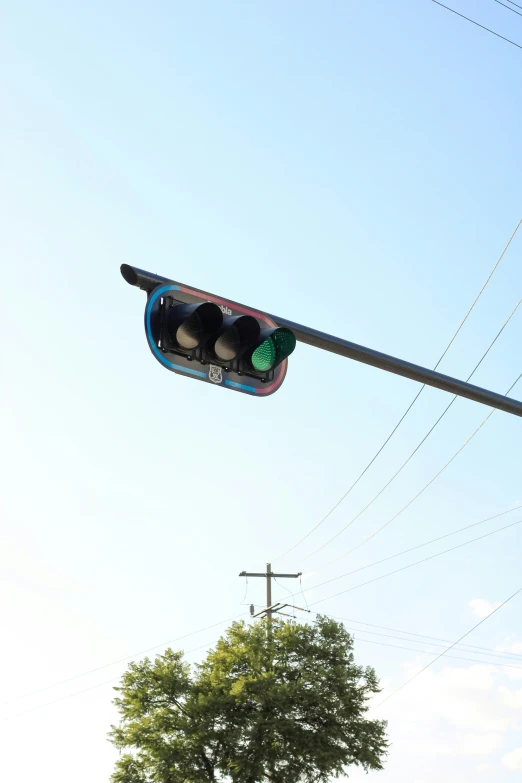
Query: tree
(288, 706)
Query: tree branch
(208, 766)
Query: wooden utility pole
(269, 591)
(269, 575)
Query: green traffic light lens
(263, 358)
(285, 342)
(273, 350)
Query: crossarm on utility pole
(277, 576)
(269, 575)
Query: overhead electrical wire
(302, 591)
(396, 427)
(508, 8)
(492, 653)
(242, 603)
(427, 652)
(86, 690)
(424, 439)
(458, 648)
(406, 567)
(425, 487)
(420, 546)
(464, 647)
(476, 23)
(433, 641)
(444, 652)
(290, 593)
(119, 660)
(206, 645)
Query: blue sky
(355, 167)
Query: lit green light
(285, 342)
(264, 356)
(273, 350)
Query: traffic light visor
(189, 324)
(236, 335)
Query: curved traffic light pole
(327, 342)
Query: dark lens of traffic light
(227, 345)
(190, 324)
(237, 334)
(189, 334)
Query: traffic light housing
(211, 339)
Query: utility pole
(269, 575)
(270, 607)
(269, 591)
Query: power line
(206, 645)
(433, 641)
(424, 439)
(492, 653)
(465, 648)
(476, 23)
(410, 565)
(90, 688)
(285, 587)
(425, 487)
(394, 430)
(302, 591)
(512, 3)
(413, 499)
(404, 684)
(418, 546)
(120, 660)
(427, 652)
(288, 591)
(246, 592)
(508, 8)
(488, 651)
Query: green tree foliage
(286, 707)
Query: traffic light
(211, 339)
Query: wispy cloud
(513, 759)
(481, 607)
